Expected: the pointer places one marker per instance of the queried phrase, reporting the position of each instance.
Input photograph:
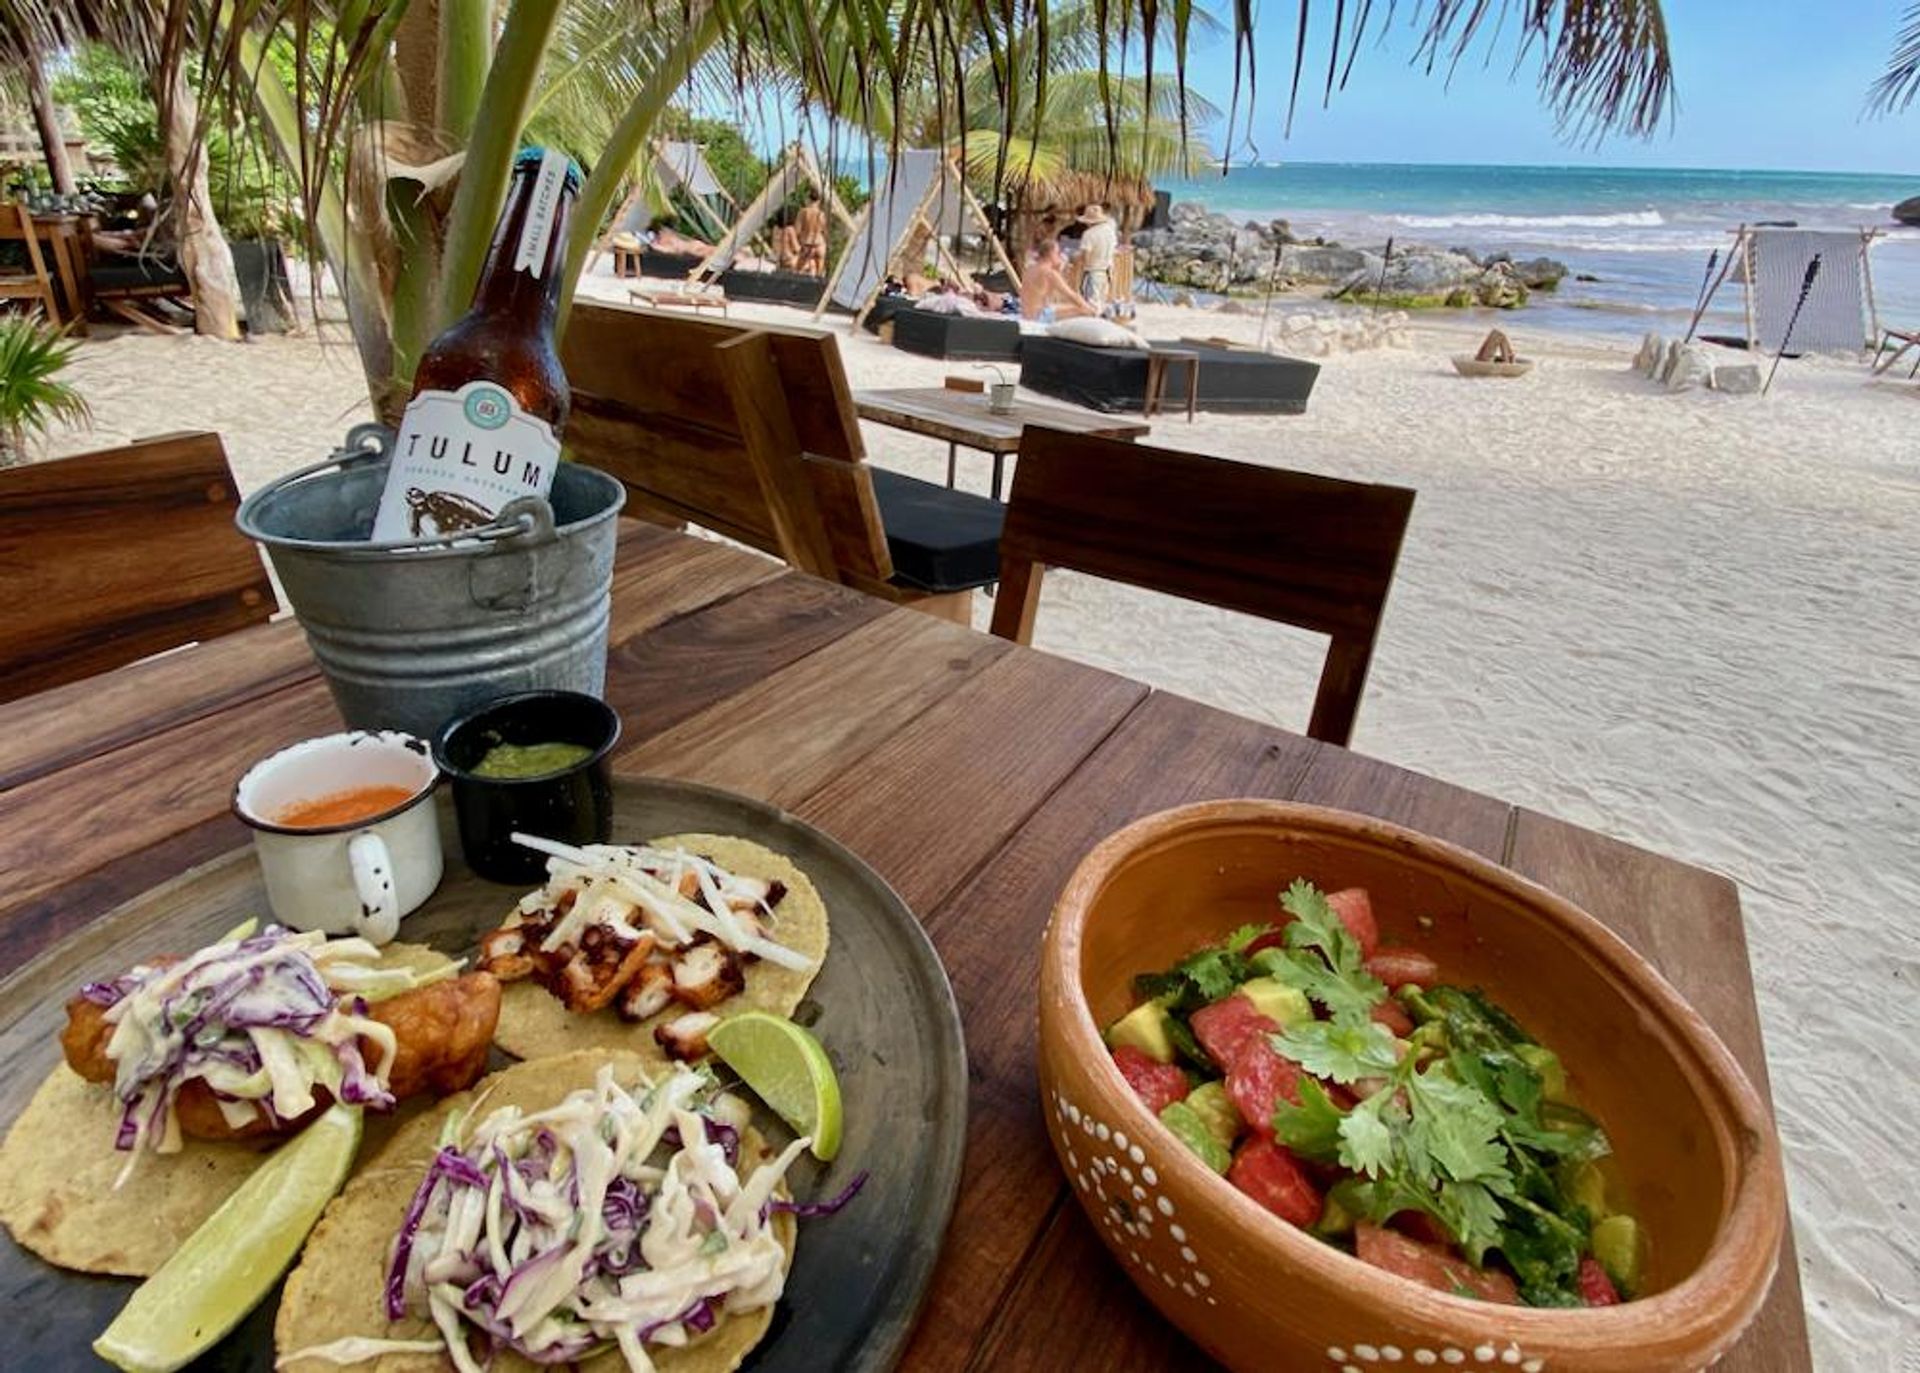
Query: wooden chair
(1308, 551)
(750, 431)
(112, 556)
(36, 283)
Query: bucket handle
(524, 517)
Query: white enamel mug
(357, 878)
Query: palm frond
(1900, 82)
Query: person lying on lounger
(664, 238)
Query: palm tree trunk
(53, 143)
(204, 255)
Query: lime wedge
(233, 1260)
(787, 1069)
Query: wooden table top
(962, 417)
(973, 774)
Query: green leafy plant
(32, 395)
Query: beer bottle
(489, 397)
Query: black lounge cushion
(1114, 380)
(116, 274)
(884, 309)
(667, 266)
(940, 540)
(790, 288)
(982, 338)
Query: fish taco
(591, 1209)
(644, 948)
(180, 1074)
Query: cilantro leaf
(1367, 1134)
(1458, 1129)
(1472, 1214)
(1316, 926)
(1237, 941)
(1349, 998)
(1311, 1129)
(1343, 1052)
(1214, 972)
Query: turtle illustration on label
(446, 512)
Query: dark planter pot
(261, 266)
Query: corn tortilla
(58, 1165)
(534, 1023)
(337, 1290)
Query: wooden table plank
(962, 417)
(788, 735)
(1168, 752)
(1686, 920)
(1352, 781)
(658, 575)
(57, 828)
(937, 798)
(683, 665)
(82, 719)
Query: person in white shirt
(1098, 243)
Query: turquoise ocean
(1644, 233)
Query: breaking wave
(1631, 219)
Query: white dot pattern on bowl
(1133, 1205)
(1426, 1357)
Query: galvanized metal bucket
(414, 632)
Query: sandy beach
(1683, 619)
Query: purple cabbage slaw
(661, 1254)
(254, 1018)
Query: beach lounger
(776, 287)
(1231, 380)
(1309, 551)
(961, 338)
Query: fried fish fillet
(443, 1031)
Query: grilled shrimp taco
(181, 1073)
(644, 948)
(590, 1209)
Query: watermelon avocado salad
(1346, 1089)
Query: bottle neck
(523, 275)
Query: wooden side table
(1158, 360)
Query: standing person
(1099, 240)
(786, 245)
(812, 226)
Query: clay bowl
(1698, 1161)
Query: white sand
(1687, 620)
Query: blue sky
(1761, 84)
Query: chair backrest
(747, 429)
(16, 226)
(1308, 551)
(111, 556)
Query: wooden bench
(750, 431)
(117, 555)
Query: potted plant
(1000, 391)
(32, 396)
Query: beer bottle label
(460, 457)
(536, 230)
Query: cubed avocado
(1545, 1062)
(1585, 1185)
(1616, 1244)
(1192, 1131)
(1211, 1103)
(1145, 1028)
(1277, 1001)
(1335, 1219)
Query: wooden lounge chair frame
(16, 225)
(749, 431)
(116, 555)
(1308, 551)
